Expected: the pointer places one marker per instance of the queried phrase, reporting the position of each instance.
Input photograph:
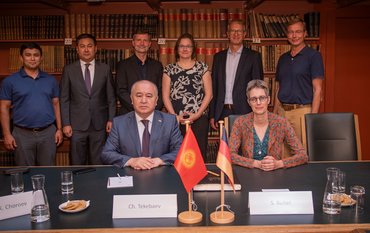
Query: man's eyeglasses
(236, 31)
(185, 47)
(262, 99)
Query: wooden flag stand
(222, 216)
(190, 216)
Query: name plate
(295, 202)
(145, 206)
(15, 205)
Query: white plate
(61, 206)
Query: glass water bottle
(40, 206)
(331, 201)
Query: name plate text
(295, 202)
(145, 206)
(15, 205)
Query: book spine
(209, 22)
(171, 52)
(196, 23)
(223, 23)
(190, 20)
(163, 58)
(209, 52)
(171, 24)
(201, 51)
(160, 24)
(183, 20)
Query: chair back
(332, 137)
(229, 122)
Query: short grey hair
(145, 81)
(256, 83)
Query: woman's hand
(188, 116)
(269, 163)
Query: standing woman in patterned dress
(187, 90)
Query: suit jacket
(78, 108)
(249, 67)
(128, 73)
(123, 141)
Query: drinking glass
(16, 182)
(66, 182)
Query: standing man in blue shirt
(299, 75)
(31, 96)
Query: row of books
(108, 56)
(55, 57)
(201, 23)
(275, 26)
(204, 52)
(110, 25)
(169, 23)
(52, 61)
(212, 150)
(31, 27)
(270, 55)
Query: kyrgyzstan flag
(224, 158)
(189, 162)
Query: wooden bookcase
(110, 8)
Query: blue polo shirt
(31, 99)
(295, 75)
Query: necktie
(87, 78)
(145, 140)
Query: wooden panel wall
(352, 63)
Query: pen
(213, 173)
(118, 175)
(83, 170)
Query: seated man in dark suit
(144, 138)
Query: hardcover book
(213, 183)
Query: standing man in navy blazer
(87, 103)
(125, 143)
(232, 69)
(137, 67)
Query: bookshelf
(114, 22)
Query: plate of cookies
(74, 206)
(346, 200)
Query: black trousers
(200, 130)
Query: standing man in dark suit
(87, 103)
(144, 138)
(137, 67)
(232, 69)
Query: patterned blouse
(260, 148)
(187, 89)
(280, 131)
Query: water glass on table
(66, 182)
(342, 182)
(16, 182)
(358, 194)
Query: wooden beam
(345, 3)
(251, 4)
(154, 4)
(61, 4)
